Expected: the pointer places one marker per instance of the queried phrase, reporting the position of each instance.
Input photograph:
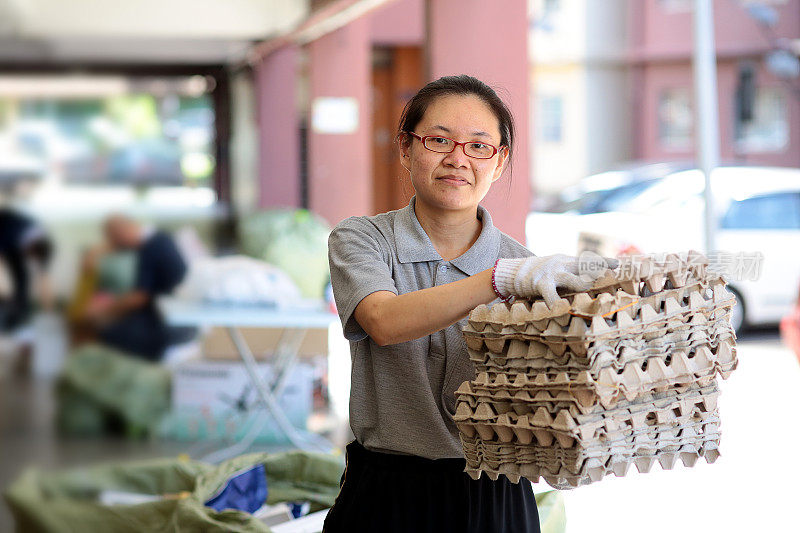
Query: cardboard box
(216, 400)
(217, 344)
(219, 386)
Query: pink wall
(339, 165)
(279, 145)
(662, 47)
(472, 37)
(660, 76)
(668, 33)
(654, 79)
(399, 23)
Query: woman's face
(454, 181)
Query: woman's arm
(390, 318)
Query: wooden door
(396, 77)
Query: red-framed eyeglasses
(445, 145)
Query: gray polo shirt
(402, 396)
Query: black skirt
(385, 493)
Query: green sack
(116, 272)
(552, 514)
(68, 501)
(99, 386)
(296, 241)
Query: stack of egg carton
(623, 373)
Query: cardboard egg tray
(545, 423)
(643, 275)
(583, 332)
(610, 292)
(622, 373)
(525, 403)
(611, 384)
(623, 352)
(582, 466)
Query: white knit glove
(530, 277)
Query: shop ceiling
(60, 33)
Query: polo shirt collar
(484, 251)
(413, 244)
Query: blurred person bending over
(25, 251)
(131, 322)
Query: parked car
(757, 211)
(606, 190)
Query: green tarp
(67, 502)
(99, 386)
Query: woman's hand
(531, 277)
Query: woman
(404, 282)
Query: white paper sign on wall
(336, 115)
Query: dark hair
(40, 250)
(458, 85)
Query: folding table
(295, 321)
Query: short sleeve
(358, 268)
(510, 248)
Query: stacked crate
(623, 373)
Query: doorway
(396, 77)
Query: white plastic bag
(238, 280)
